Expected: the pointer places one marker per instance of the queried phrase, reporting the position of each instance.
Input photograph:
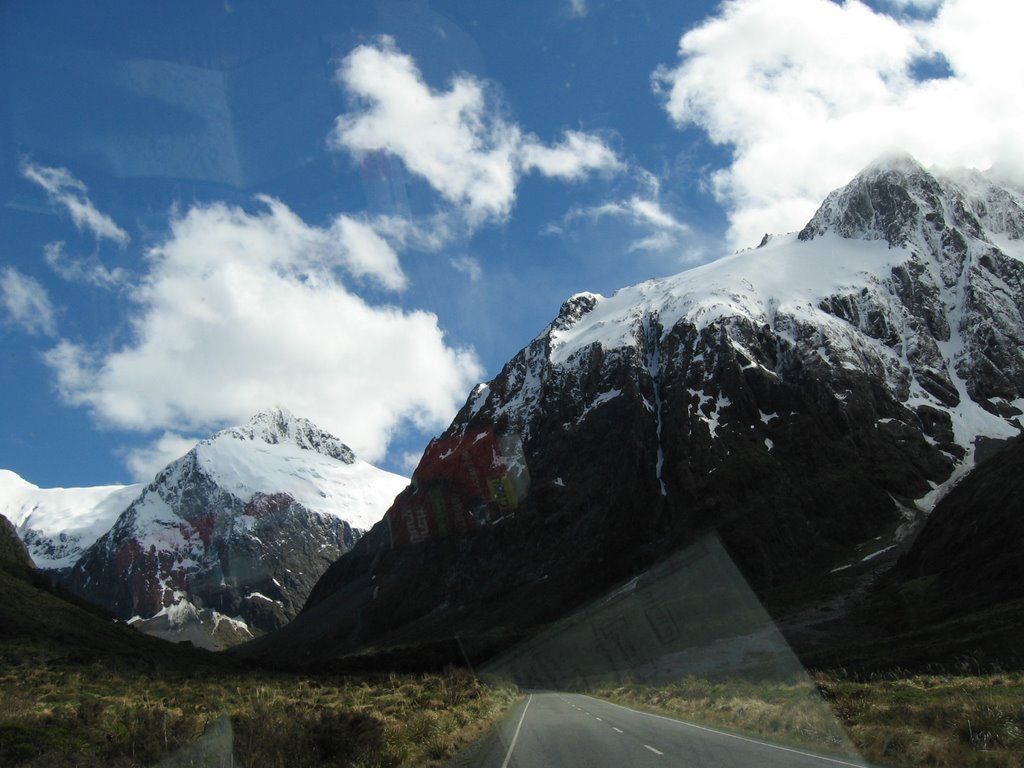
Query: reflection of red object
(203, 526)
(145, 572)
(268, 504)
(459, 483)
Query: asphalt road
(563, 730)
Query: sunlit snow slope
(59, 524)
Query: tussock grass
(895, 719)
(55, 715)
(790, 712)
(943, 720)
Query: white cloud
(145, 463)
(368, 254)
(27, 303)
(643, 211)
(89, 271)
(430, 234)
(64, 189)
(578, 8)
(408, 461)
(456, 139)
(926, 5)
(469, 266)
(571, 160)
(240, 310)
(808, 97)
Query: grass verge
(960, 721)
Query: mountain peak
(279, 425)
(895, 163)
(575, 307)
(897, 200)
(889, 200)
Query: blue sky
(359, 210)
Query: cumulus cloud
(572, 159)
(239, 309)
(26, 303)
(367, 254)
(457, 140)
(408, 461)
(90, 271)
(429, 233)
(145, 463)
(808, 97)
(64, 189)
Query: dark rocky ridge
(796, 434)
(14, 557)
(953, 601)
(970, 554)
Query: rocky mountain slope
(228, 540)
(39, 624)
(804, 399)
(14, 557)
(953, 599)
(970, 554)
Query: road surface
(563, 730)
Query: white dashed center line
(617, 730)
(655, 751)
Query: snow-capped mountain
(803, 398)
(911, 278)
(234, 534)
(59, 524)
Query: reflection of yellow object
(503, 492)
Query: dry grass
(790, 713)
(93, 716)
(941, 720)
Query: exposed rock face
(961, 289)
(241, 526)
(970, 554)
(799, 398)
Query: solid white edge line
(730, 735)
(515, 736)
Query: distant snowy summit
(58, 524)
(232, 535)
(277, 453)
